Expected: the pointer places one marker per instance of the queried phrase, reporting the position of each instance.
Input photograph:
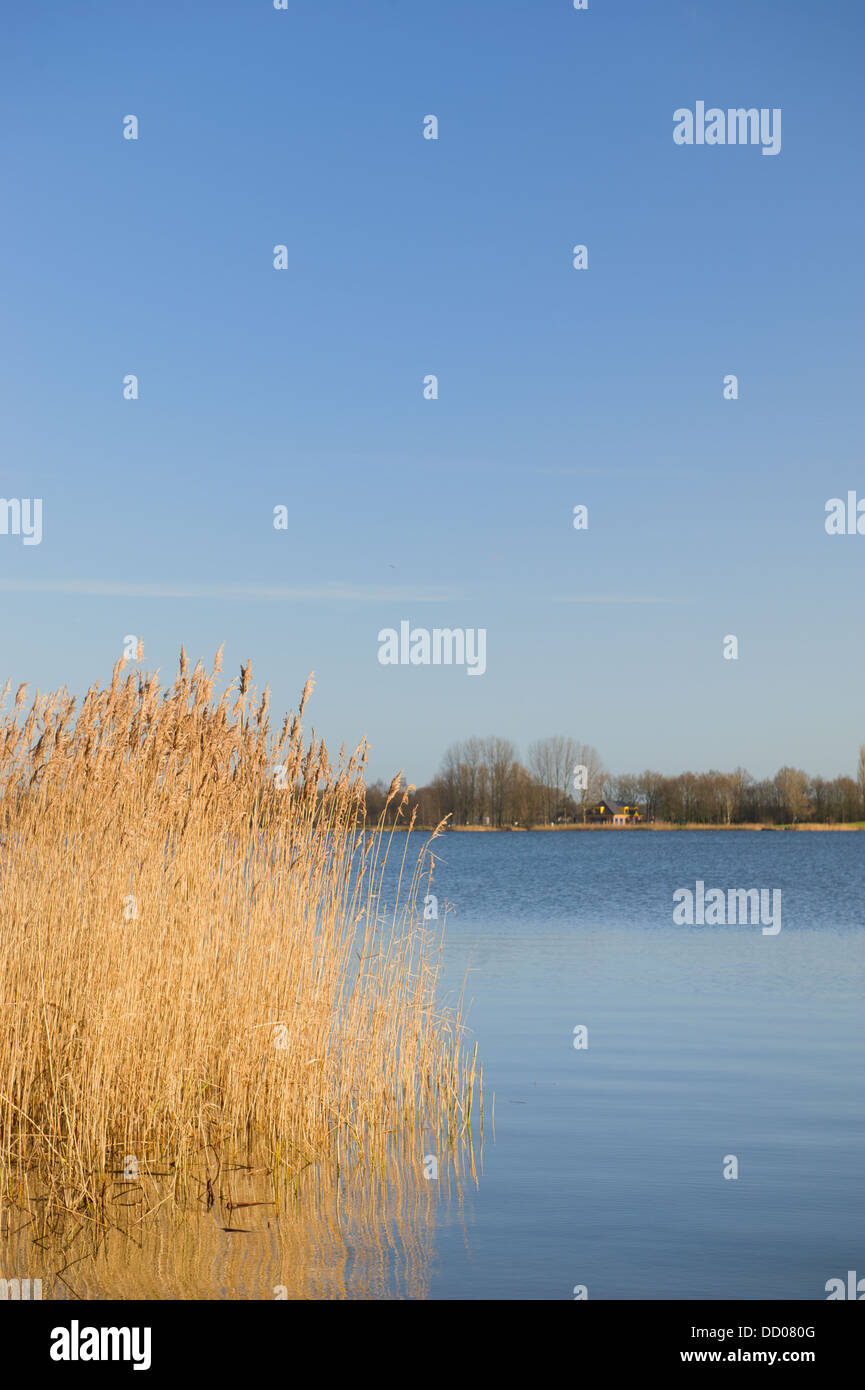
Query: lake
(604, 1167)
(703, 1042)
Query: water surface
(606, 1165)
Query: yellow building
(613, 813)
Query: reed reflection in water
(365, 1232)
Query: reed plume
(195, 956)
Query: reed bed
(196, 957)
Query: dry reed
(195, 956)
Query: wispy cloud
(329, 593)
(616, 598)
(648, 472)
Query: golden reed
(195, 954)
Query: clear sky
(407, 256)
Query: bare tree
(588, 787)
(791, 787)
(524, 806)
(651, 785)
(555, 763)
(481, 780)
(541, 768)
(462, 776)
(500, 763)
(627, 788)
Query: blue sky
(407, 257)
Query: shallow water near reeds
(603, 1166)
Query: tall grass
(195, 956)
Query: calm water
(605, 1167)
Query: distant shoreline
(632, 829)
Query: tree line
(482, 782)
